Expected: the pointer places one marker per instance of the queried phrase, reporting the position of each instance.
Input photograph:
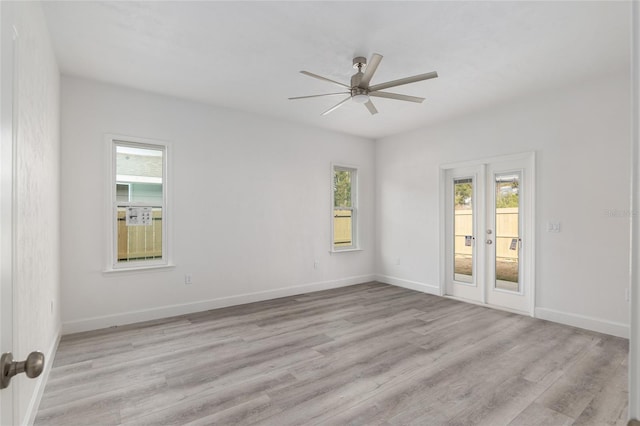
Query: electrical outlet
(187, 279)
(316, 264)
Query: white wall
(36, 275)
(250, 199)
(581, 138)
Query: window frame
(112, 264)
(355, 234)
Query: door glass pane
(463, 230)
(507, 238)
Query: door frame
(530, 263)
(634, 332)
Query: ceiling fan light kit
(359, 96)
(360, 91)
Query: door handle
(32, 367)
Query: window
(344, 211)
(138, 188)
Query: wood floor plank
(438, 385)
(572, 393)
(538, 415)
(609, 406)
(198, 403)
(249, 412)
(368, 354)
(121, 365)
(312, 400)
(100, 406)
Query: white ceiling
(247, 55)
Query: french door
(488, 232)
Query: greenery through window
(463, 193)
(507, 193)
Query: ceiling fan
(360, 91)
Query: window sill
(159, 268)
(346, 250)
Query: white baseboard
(412, 285)
(95, 323)
(594, 324)
(589, 323)
(36, 397)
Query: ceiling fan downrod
(359, 63)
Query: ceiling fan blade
(319, 77)
(335, 107)
(371, 68)
(372, 109)
(402, 81)
(316, 96)
(397, 96)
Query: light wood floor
(359, 355)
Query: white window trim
(128, 188)
(355, 224)
(111, 230)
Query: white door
(464, 223)
(7, 137)
(508, 239)
(488, 230)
